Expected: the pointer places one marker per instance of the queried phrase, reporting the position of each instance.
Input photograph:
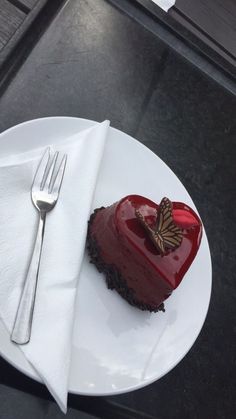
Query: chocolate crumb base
(113, 277)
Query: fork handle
(23, 322)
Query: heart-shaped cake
(144, 249)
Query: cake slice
(144, 249)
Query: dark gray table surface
(95, 62)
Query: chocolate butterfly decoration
(166, 234)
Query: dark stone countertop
(95, 62)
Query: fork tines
(49, 174)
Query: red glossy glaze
(123, 242)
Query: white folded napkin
(49, 349)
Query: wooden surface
(16, 16)
(10, 20)
(29, 3)
(213, 21)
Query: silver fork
(44, 193)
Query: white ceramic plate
(116, 347)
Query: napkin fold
(49, 349)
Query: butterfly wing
(167, 233)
